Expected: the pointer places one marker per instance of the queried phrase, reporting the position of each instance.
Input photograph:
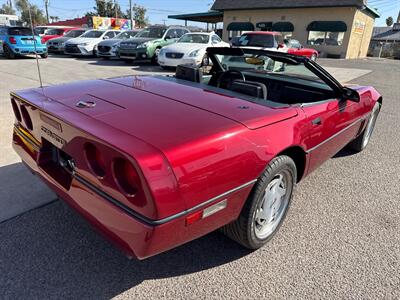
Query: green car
(147, 43)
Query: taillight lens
(43, 41)
(95, 160)
(25, 116)
(126, 176)
(16, 110)
(12, 40)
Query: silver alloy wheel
(156, 53)
(272, 207)
(370, 126)
(313, 57)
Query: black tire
(362, 141)
(243, 230)
(8, 53)
(44, 55)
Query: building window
(238, 28)
(285, 28)
(325, 38)
(330, 33)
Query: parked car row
(168, 46)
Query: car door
(171, 36)
(330, 125)
(294, 47)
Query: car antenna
(34, 45)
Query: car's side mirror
(349, 94)
(105, 38)
(168, 37)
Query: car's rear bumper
(135, 237)
(24, 50)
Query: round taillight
(26, 117)
(16, 110)
(126, 176)
(95, 160)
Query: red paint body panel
(188, 145)
(307, 52)
(46, 37)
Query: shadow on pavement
(20, 191)
(52, 253)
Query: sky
(158, 10)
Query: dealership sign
(359, 26)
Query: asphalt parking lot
(341, 238)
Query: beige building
(336, 28)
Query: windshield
(126, 35)
(20, 31)
(152, 32)
(194, 38)
(74, 33)
(40, 30)
(257, 40)
(92, 34)
(54, 31)
(260, 65)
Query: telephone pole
(46, 5)
(130, 13)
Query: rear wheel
(8, 52)
(44, 55)
(361, 142)
(267, 205)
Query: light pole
(46, 5)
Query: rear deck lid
(252, 115)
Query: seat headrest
(250, 88)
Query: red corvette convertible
(154, 162)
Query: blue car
(16, 41)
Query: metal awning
(327, 26)
(240, 26)
(264, 25)
(204, 17)
(283, 27)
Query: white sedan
(189, 49)
(87, 42)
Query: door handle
(316, 121)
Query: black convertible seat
(189, 72)
(250, 88)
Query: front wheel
(267, 205)
(313, 57)
(361, 142)
(154, 59)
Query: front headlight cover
(143, 45)
(194, 53)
